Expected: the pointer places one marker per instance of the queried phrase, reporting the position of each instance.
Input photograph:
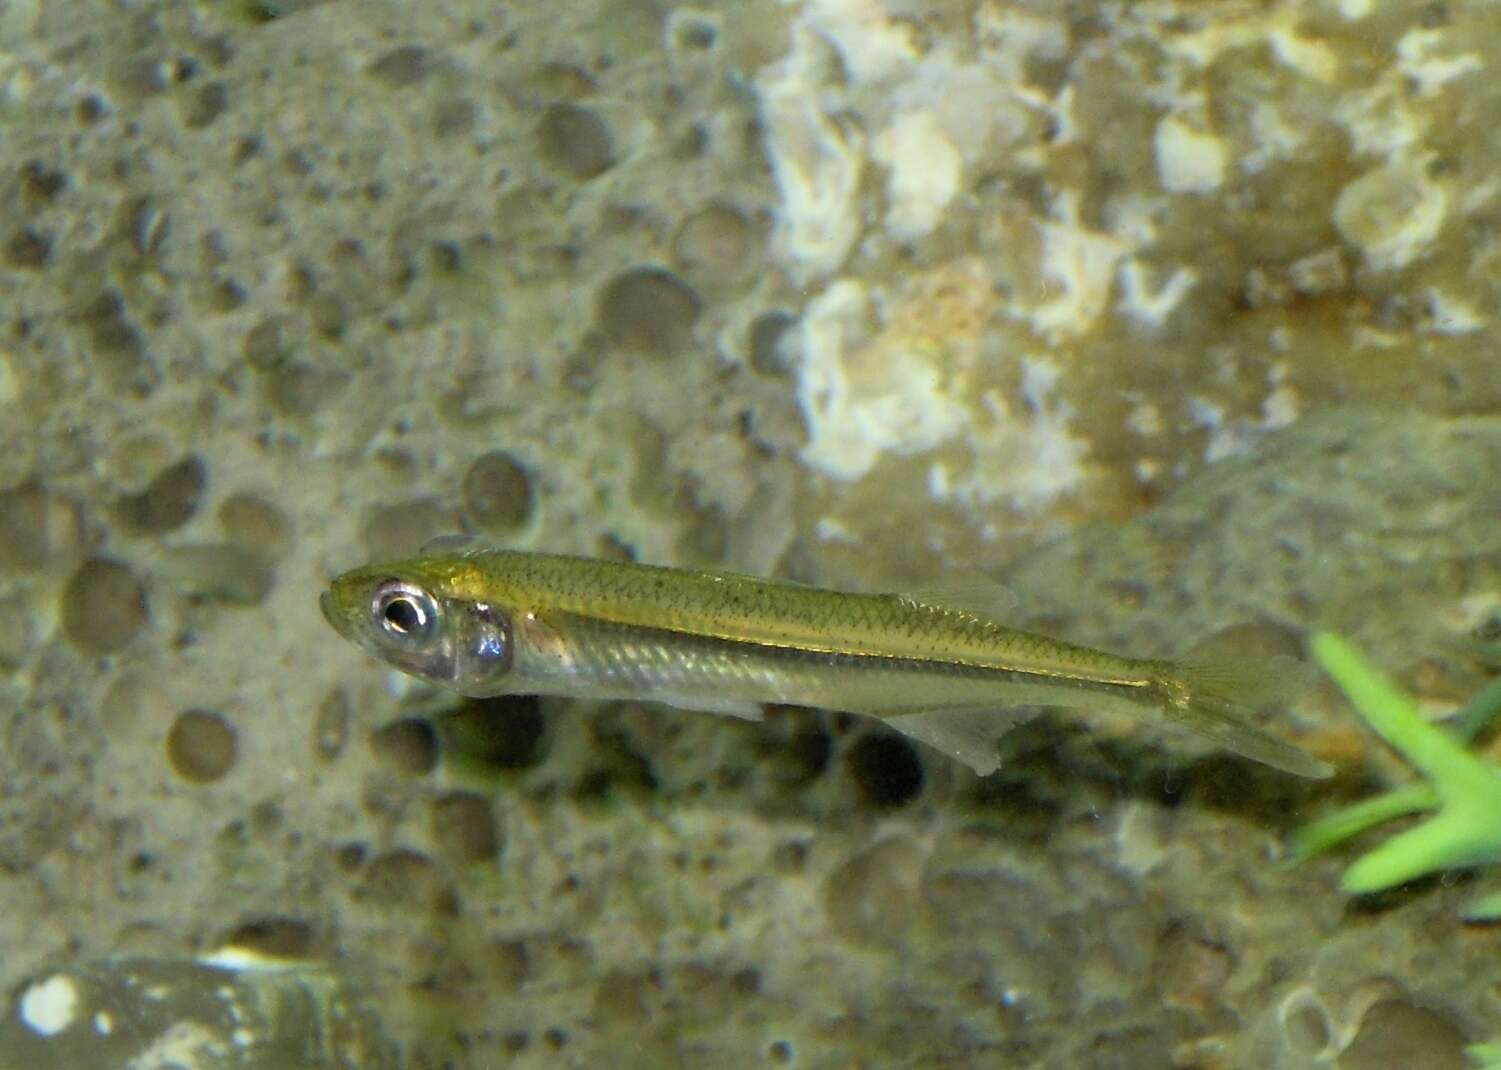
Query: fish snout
(331, 614)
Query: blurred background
(1177, 319)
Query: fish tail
(1218, 700)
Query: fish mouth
(331, 614)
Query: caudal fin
(1217, 701)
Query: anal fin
(968, 733)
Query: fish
(936, 664)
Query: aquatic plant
(1464, 788)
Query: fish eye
(404, 612)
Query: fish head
(420, 617)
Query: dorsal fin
(974, 595)
(452, 543)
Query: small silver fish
(937, 667)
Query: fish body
(940, 668)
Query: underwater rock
(233, 1011)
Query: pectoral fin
(726, 707)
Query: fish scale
(744, 608)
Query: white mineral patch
(1079, 265)
(1281, 27)
(48, 1007)
(1008, 38)
(1380, 121)
(1188, 160)
(860, 400)
(1145, 418)
(871, 44)
(1308, 56)
(1419, 59)
(816, 163)
(1133, 218)
(1233, 438)
(1391, 214)
(1147, 469)
(1275, 137)
(1025, 460)
(974, 107)
(855, 66)
(1281, 407)
(923, 172)
(1319, 273)
(1453, 316)
(939, 484)
(1139, 841)
(831, 530)
(18, 80)
(1225, 439)
(1149, 300)
(182, 1044)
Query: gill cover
(463, 645)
